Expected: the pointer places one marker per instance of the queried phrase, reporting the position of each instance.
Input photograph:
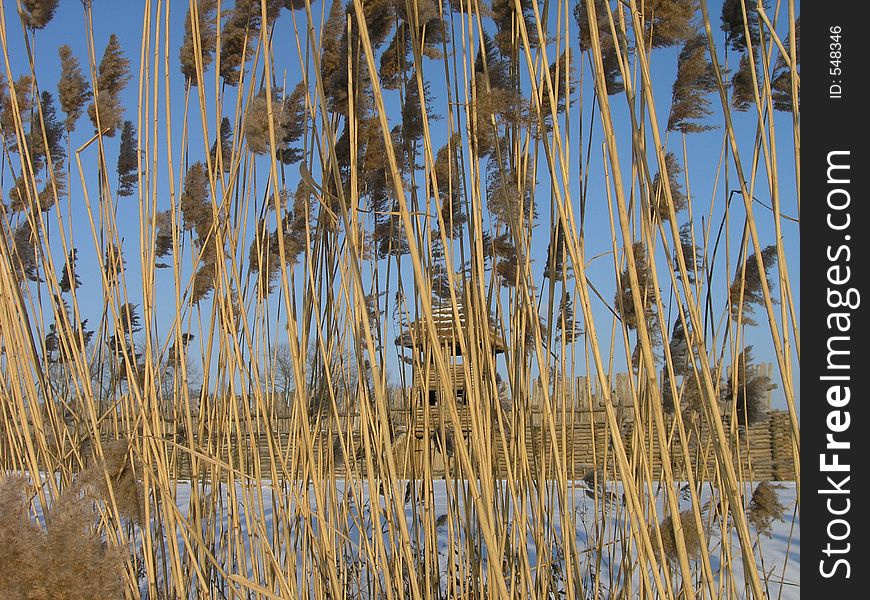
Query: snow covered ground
(279, 519)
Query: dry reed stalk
(334, 439)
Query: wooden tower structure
(431, 397)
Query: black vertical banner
(835, 425)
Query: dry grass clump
(66, 559)
(693, 538)
(765, 507)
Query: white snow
(777, 553)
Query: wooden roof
(449, 330)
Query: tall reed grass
(306, 181)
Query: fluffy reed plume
(38, 13)
(693, 538)
(395, 63)
(737, 17)
(742, 86)
(658, 198)
(509, 199)
(568, 326)
(69, 280)
(696, 79)
(693, 255)
(765, 507)
(564, 85)
(23, 253)
(163, 237)
(128, 162)
(781, 84)
(46, 134)
(447, 173)
(749, 388)
(196, 209)
(63, 559)
(112, 77)
(121, 471)
(607, 46)
(681, 352)
(504, 13)
(264, 255)
(295, 126)
(423, 157)
(623, 302)
(224, 143)
(257, 123)
(206, 15)
(73, 89)
(239, 36)
(668, 22)
(746, 290)
(331, 59)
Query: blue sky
(703, 149)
